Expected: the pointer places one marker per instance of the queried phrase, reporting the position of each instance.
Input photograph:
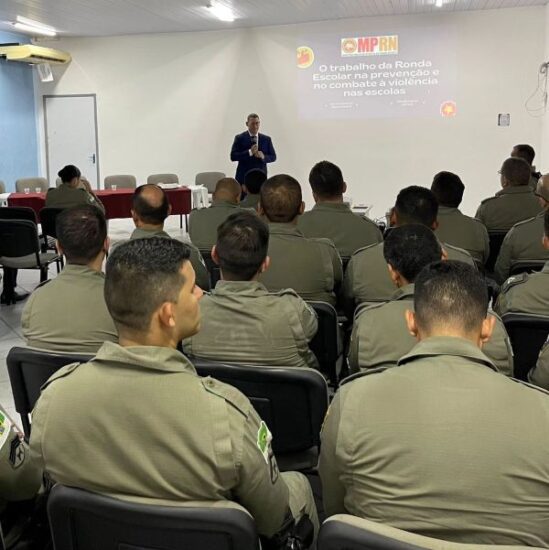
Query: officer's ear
(411, 322)
(393, 218)
(265, 265)
(106, 245)
(215, 256)
(135, 218)
(444, 255)
(344, 188)
(169, 209)
(260, 210)
(395, 275)
(166, 315)
(59, 248)
(487, 328)
(302, 208)
(545, 242)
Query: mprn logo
(369, 45)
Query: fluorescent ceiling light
(438, 3)
(28, 25)
(222, 12)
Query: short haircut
(141, 275)
(280, 198)
(68, 173)
(254, 179)
(326, 179)
(448, 189)
(242, 243)
(409, 248)
(154, 214)
(546, 223)
(81, 232)
(252, 115)
(416, 204)
(516, 171)
(450, 293)
(525, 151)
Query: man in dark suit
(252, 149)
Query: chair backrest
(208, 179)
(28, 370)
(526, 266)
(31, 184)
(162, 178)
(345, 532)
(291, 401)
(48, 216)
(325, 345)
(19, 238)
(496, 240)
(2, 187)
(122, 181)
(81, 520)
(18, 213)
(527, 333)
(213, 269)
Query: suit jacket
(240, 151)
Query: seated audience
(311, 267)
(514, 203)
(73, 191)
(194, 439)
(442, 446)
(523, 242)
(366, 277)
(242, 321)
(203, 223)
(20, 480)
(528, 292)
(150, 208)
(380, 336)
(539, 375)
(333, 219)
(527, 153)
(253, 180)
(69, 313)
(453, 226)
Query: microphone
(254, 140)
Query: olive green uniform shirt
(508, 207)
(435, 447)
(203, 223)
(65, 196)
(367, 277)
(69, 313)
(525, 293)
(202, 276)
(138, 423)
(337, 222)
(380, 336)
(250, 201)
(311, 267)
(523, 242)
(539, 375)
(464, 232)
(242, 322)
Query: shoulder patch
(229, 393)
(363, 373)
(5, 428)
(61, 373)
(513, 281)
(17, 452)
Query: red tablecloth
(117, 203)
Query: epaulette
(285, 292)
(489, 199)
(513, 281)
(361, 308)
(229, 393)
(322, 240)
(529, 385)
(361, 374)
(522, 222)
(61, 373)
(364, 248)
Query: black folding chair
(526, 266)
(211, 266)
(18, 213)
(29, 369)
(496, 240)
(81, 520)
(292, 402)
(527, 333)
(47, 221)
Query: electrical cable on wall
(539, 94)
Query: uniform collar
(284, 229)
(139, 232)
(242, 288)
(517, 189)
(448, 210)
(145, 357)
(75, 269)
(223, 203)
(332, 206)
(446, 345)
(404, 293)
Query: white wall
(174, 102)
(543, 161)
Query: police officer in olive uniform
(69, 313)
(366, 278)
(143, 426)
(527, 153)
(514, 203)
(203, 223)
(380, 336)
(434, 446)
(331, 218)
(539, 375)
(311, 267)
(527, 293)
(523, 242)
(453, 226)
(73, 191)
(253, 180)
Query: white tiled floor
(10, 316)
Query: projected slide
(407, 72)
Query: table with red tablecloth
(117, 202)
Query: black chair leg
(180, 221)
(43, 273)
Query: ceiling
(116, 17)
